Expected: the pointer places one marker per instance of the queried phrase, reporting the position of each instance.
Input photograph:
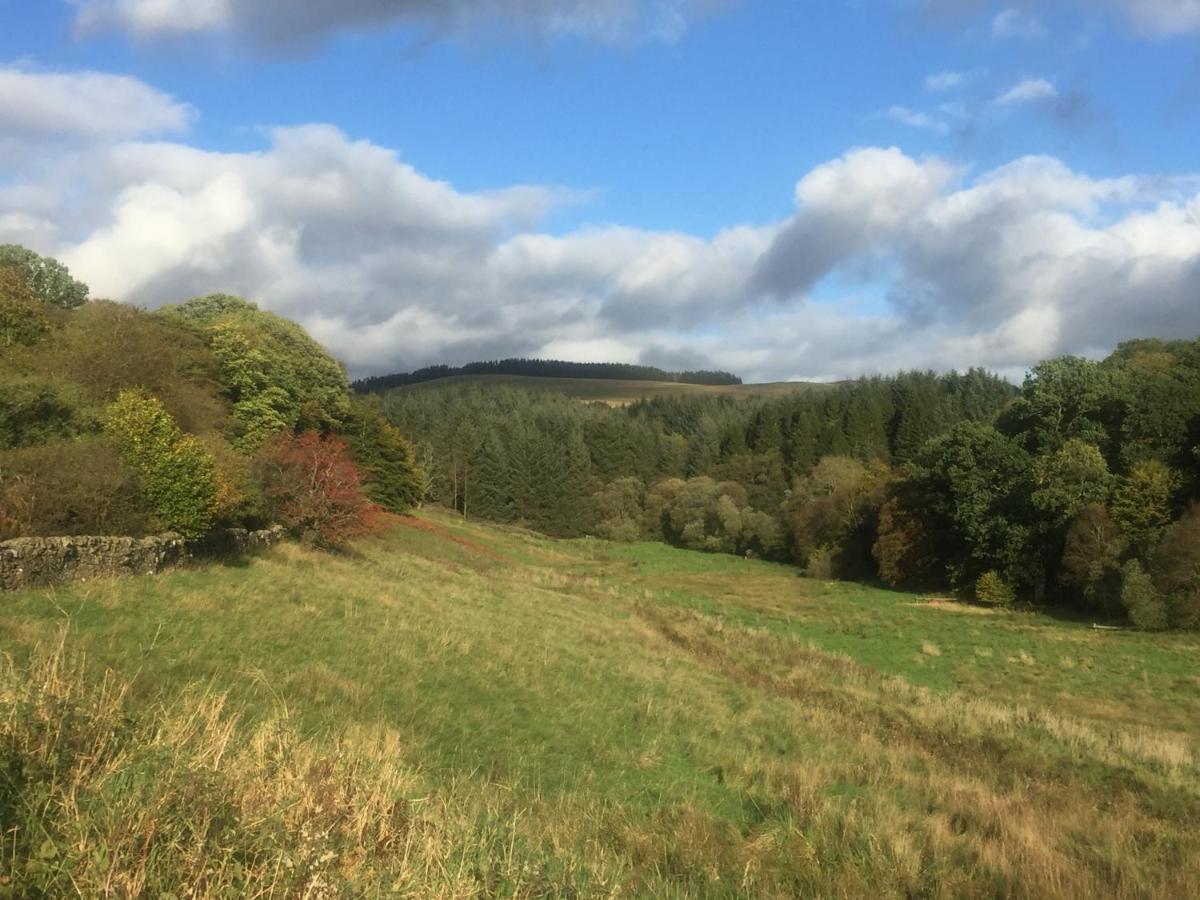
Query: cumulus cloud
(290, 23)
(90, 105)
(887, 260)
(846, 207)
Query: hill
(457, 710)
(545, 368)
(618, 392)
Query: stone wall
(30, 562)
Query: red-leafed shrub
(313, 488)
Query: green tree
(1141, 599)
(276, 376)
(47, 279)
(1158, 383)
(1091, 558)
(620, 509)
(1176, 569)
(175, 471)
(1068, 479)
(975, 485)
(1141, 503)
(833, 510)
(1062, 399)
(904, 549)
(384, 456)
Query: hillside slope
(457, 710)
(618, 392)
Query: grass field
(619, 393)
(455, 710)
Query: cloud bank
(888, 260)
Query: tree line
(545, 368)
(205, 414)
(1078, 489)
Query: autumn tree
(313, 488)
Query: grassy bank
(456, 710)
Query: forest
(544, 368)
(1076, 491)
(200, 415)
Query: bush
(70, 487)
(1141, 599)
(992, 589)
(176, 472)
(314, 488)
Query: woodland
(1078, 490)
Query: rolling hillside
(616, 392)
(453, 710)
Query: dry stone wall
(31, 562)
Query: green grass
(616, 392)
(457, 710)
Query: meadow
(459, 710)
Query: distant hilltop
(545, 368)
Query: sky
(779, 188)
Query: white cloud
(291, 23)
(90, 105)
(1016, 23)
(903, 115)
(941, 82)
(916, 264)
(1028, 90)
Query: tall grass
(460, 711)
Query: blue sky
(791, 190)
